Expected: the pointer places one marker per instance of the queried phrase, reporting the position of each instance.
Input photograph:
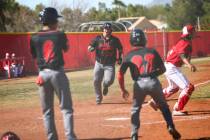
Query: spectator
(16, 65)
(6, 65)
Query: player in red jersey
(179, 54)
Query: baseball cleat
(174, 133)
(105, 91)
(179, 113)
(153, 105)
(134, 137)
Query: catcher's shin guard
(184, 97)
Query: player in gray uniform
(47, 47)
(106, 47)
(145, 65)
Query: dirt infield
(111, 120)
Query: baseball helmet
(107, 26)
(188, 30)
(49, 15)
(137, 38)
(9, 136)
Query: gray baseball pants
(56, 80)
(148, 86)
(105, 73)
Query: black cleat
(105, 91)
(174, 133)
(134, 137)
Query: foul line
(184, 118)
(202, 83)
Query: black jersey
(143, 62)
(106, 49)
(47, 47)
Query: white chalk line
(202, 83)
(117, 119)
(182, 118)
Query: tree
(205, 19)
(183, 12)
(7, 7)
(24, 20)
(119, 4)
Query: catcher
(179, 54)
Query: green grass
(23, 91)
(202, 92)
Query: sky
(69, 3)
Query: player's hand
(125, 94)
(193, 68)
(119, 61)
(39, 81)
(90, 48)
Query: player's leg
(61, 85)
(109, 76)
(171, 88)
(138, 99)
(158, 97)
(168, 91)
(186, 91)
(97, 80)
(47, 99)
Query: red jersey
(6, 62)
(182, 47)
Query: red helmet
(188, 30)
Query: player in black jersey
(47, 47)
(106, 47)
(145, 66)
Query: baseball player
(47, 47)
(179, 54)
(105, 47)
(145, 66)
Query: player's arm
(187, 62)
(120, 77)
(93, 44)
(32, 48)
(65, 42)
(159, 65)
(120, 51)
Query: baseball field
(20, 109)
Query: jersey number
(144, 64)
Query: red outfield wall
(78, 57)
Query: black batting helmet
(49, 15)
(107, 25)
(138, 38)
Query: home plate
(117, 119)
